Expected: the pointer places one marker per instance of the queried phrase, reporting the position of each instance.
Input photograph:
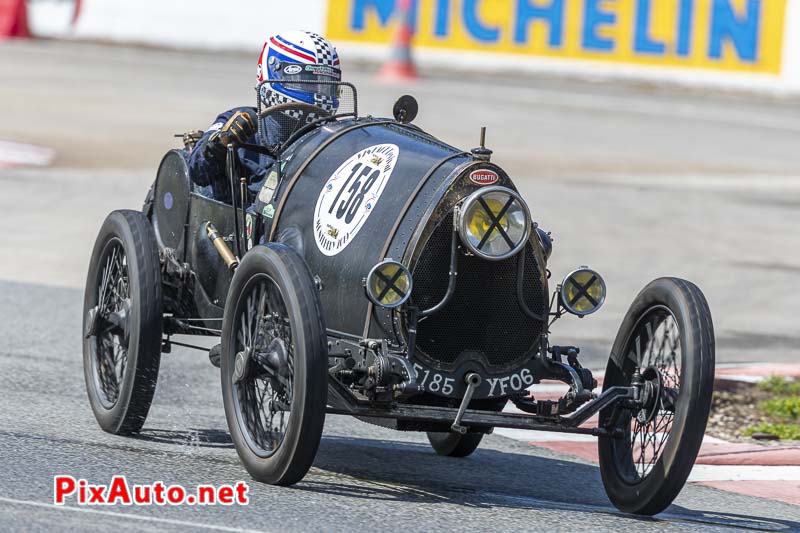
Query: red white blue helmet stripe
(284, 47)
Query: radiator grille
(484, 315)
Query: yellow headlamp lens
(494, 223)
(389, 284)
(480, 222)
(583, 292)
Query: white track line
(151, 519)
(628, 104)
(14, 153)
(708, 181)
(527, 435)
(744, 473)
(740, 377)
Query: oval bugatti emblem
(483, 177)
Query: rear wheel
(454, 444)
(666, 344)
(122, 323)
(274, 365)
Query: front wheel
(665, 345)
(274, 365)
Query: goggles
(306, 78)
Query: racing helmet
(299, 56)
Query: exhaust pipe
(221, 246)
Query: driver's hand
(239, 128)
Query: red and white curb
(13, 154)
(766, 471)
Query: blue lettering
(592, 18)
(642, 40)
(685, 27)
(412, 14)
(442, 25)
(384, 9)
(742, 32)
(474, 26)
(553, 14)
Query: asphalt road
(638, 182)
(363, 477)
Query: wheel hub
(274, 362)
(98, 322)
(240, 365)
(651, 391)
(91, 323)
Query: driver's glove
(236, 131)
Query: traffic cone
(400, 67)
(76, 13)
(13, 19)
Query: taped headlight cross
(494, 223)
(389, 284)
(583, 291)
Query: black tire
(291, 364)
(644, 471)
(453, 444)
(122, 334)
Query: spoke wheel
(122, 323)
(657, 352)
(665, 348)
(110, 342)
(274, 365)
(264, 367)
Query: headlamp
(583, 291)
(494, 223)
(389, 284)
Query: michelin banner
(722, 35)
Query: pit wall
(751, 44)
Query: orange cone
(77, 12)
(13, 19)
(400, 67)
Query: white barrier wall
(229, 24)
(753, 44)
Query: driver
(288, 57)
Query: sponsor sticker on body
(249, 220)
(350, 195)
(268, 189)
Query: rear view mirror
(405, 109)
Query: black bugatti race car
(381, 273)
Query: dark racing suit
(207, 167)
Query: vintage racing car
(382, 273)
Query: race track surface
(637, 182)
(364, 476)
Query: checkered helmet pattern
(295, 48)
(326, 53)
